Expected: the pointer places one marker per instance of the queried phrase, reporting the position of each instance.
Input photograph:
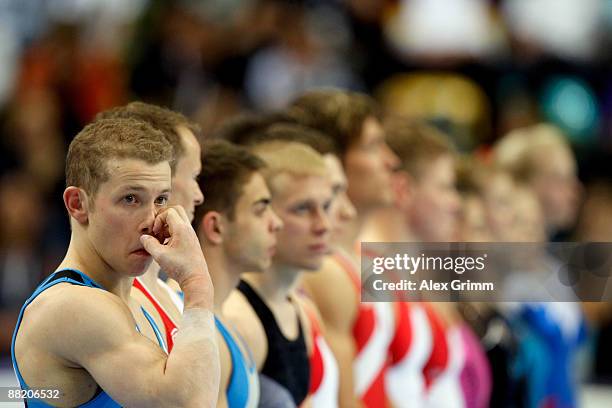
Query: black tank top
(287, 360)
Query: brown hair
(104, 139)
(474, 175)
(226, 168)
(162, 119)
(337, 113)
(246, 128)
(415, 143)
(290, 132)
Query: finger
(152, 246)
(173, 220)
(160, 221)
(183, 214)
(166, 223)
(160, 225)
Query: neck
(224, 275)
(347, 239)
(82, 256)
(149, 278)
(276, 283)
(386, 225)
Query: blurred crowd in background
(475, 69)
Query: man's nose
(146, 226)
(322, 223)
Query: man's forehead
(136, 172)
(305, 187)
(255, 187)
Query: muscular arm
(134, 371)
(332, 292)
(189, 375)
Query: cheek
(293, 231)
(358, 166)
(426, 202)
(104, 230)
(176, 197)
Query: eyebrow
(141, 188)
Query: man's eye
(130, 199)
(327, 206)
(161, 200)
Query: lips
(140, 252)
(318, 248)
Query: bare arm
(132, 369)
(332, 292)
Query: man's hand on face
(176, 248)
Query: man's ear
(77, 204)
(212, 227)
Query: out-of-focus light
(566, 28)
(571, 104)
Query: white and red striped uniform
(410, 350)
(373, 331)
(324, 372)
(445, 390)
(170, 326)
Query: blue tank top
(101, 399)
(243, 387)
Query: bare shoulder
(66, 317)
(306, 304)
(333, 292)
(307, 311)
(238, 311)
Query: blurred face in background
(557, 187)
(342, 209)
(435, 201)
(529, 224)
(369, 166)
(499, 206)
(185, 189)
(473, 226)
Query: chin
(259, 268)
(139, 270)
(312, 266)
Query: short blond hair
(517, 151)
(106, 139)
(283, 157)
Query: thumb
(151, 245)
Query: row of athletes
(242, 322)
